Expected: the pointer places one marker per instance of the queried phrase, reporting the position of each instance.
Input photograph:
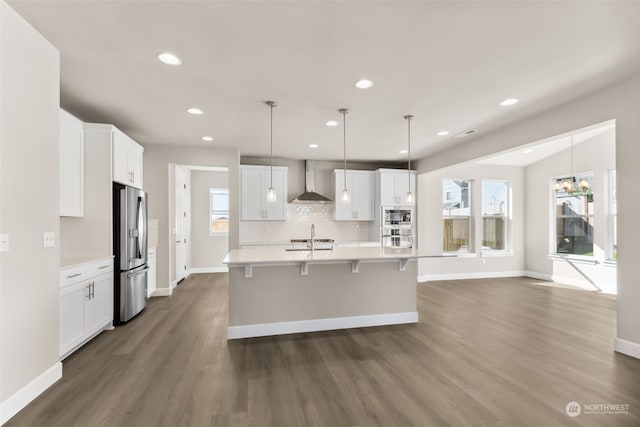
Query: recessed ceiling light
(404, 151)
(443, 133)
(207, 138)
(169, 58)
(509, 101)
(313, 145)
(195, 111)
(530, 150)
(364, 84)
(332, 123)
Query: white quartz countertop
(340, 254)
(66, 262)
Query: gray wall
(621, 102)
(596, 155)
(157, 161)
(430, 223)
(206, 251)
(29, 289)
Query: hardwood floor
(491, 352)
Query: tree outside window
(218, 211)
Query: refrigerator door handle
(137, 273)
(140, 227)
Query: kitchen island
(273, 291)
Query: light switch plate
(49, 239)
(4, 242)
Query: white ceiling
(447, 63)
(536, 151)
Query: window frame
(471, 238)
(506, 216)
(553, 240)
(612, 217)
(213, 191)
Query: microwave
(394, 216)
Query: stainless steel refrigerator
(130, 251)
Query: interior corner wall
(430, 224)
(157, 161)
(596, 155)
(619, 101)
(207, 251)
(29, 189)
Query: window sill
(489, 254)
(574, 258)
(610, 263)
(218, 233)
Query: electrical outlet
(49, 239)
(4, 242)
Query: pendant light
(409, 193)
(569, 184)
(271, 192)
(346, 198)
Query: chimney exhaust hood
(310, 195)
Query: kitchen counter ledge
(248, 258)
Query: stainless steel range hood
(310, 195)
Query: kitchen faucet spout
(313, 237)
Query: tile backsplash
(298, 225)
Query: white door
(180, 224)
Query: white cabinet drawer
(81, 272)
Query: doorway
(200, 239)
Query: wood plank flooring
(491, 352)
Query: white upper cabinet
(127, 159)
(71, 162)
(361, 187)
(254, 183)
(393, 185)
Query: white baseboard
(626, 347)
(15, 403)
(476, 275)
(200, 270)
(539, 276)
(313, 325)
(162, 292)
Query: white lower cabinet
(86, 303)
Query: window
(456, 214)
(574, 215)
(613, 211)
(218, 210)
(495, 211)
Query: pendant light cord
(271, 104)
(344, 112)
(571, 170)
(409, 118)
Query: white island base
(351, 288)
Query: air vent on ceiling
(466, 133)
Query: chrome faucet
(313, 237)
